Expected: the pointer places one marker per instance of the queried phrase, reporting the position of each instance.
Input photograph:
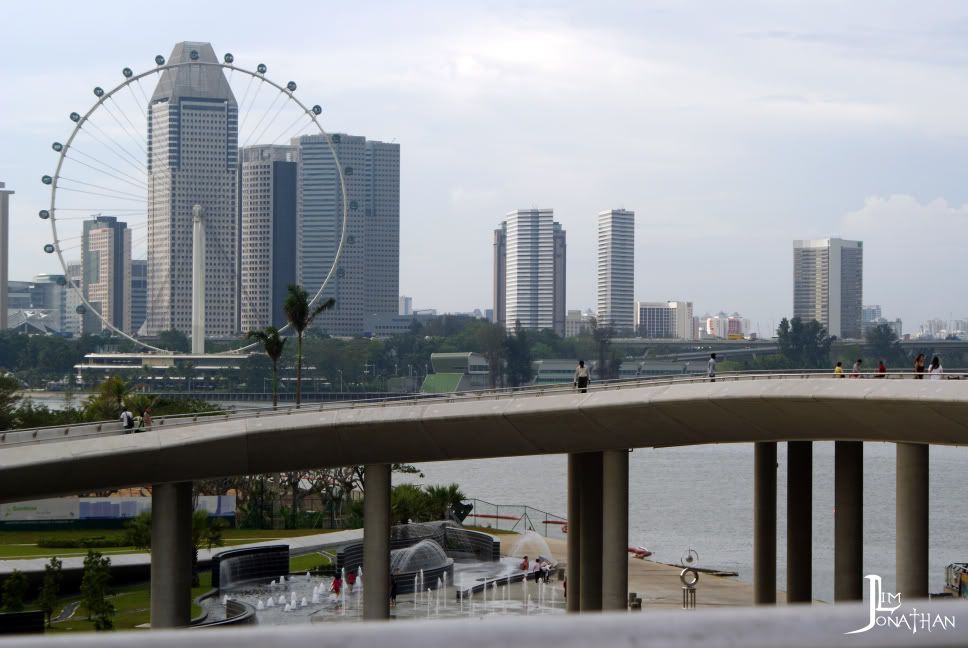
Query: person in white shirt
(711, 367)
(581, 376)
(935, 370)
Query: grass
(15, 545)
(132, 607)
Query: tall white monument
(4, 252)
(198, 279)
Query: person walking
(919, 367)
(146, 419)
(855, 372)
(881, 369)
(127, 421)
(935, 370)
(839, 370)
(581, 377)
(711, 367)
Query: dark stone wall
(26, 622)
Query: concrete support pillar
(615, 529)
(376, 543)
(574, 532)
(912, 520)
(799, 568)
(171, 555)
(848, 521)
(591, 532)
(764, 523)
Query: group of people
(541, 568)
(131, 423)
(934, 371)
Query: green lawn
(308, 562)
(16, 545)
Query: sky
(730, 128)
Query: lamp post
(340, 372)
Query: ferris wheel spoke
(271, 120)
(248, 111)
(285, 131)
(116, 148)
(103, 195)
(265, 113)
(123, 127)
(94, 160)
(117, 192)
(141, 89)
(137, 102)
(137, 185)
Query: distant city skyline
(739, 129)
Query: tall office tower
(73, 306)
(669, 319)
(500, 274)
(193, 138)
(828, 284)
(106, 273)
(47, 292)
(4, 252)
(139, 294)
(268, 223)
(367, 279)
(616, 270)
(534, 271)
(870, 313)
(558, 305)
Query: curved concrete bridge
(595, 429)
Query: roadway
(550, 420)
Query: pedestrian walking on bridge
(711, 367)
(581, 377)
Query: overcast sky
(730, 128)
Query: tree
(301, 313)
(805, 345)
(174, 341)
(443, 499)
(9, 399)
(602, 335)
(108, 399)
(273, 344)
(137, 531)
(882, 341)
(94, 589)
(14, 591)
(206, 532)
(50, 588)
(492, 341)
(519, 369)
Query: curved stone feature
(235, 566)
(474, 427)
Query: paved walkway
(297, 547)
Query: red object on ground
(640, 552)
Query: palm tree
(272, 344)
(301, 313)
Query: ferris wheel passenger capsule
(99, 91)
(47, 180)
(75, 117)
(127, 73)
(57, 146)
(261, 69)
(159, 60)
(49, 248)
(44, 214)
(291, 86)
(317, 109)
(228, 58)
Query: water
(701, 497)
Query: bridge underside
(471, 428)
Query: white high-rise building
(406, 305)
(267, 201)
(367, 279)
(668, 319)
(192, 160)
(616, 270)
(533, 270)
(828, 284)
(4, 251)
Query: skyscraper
(192, 160)
(106, 273)
(828, 284)
(367, 279)
(139, 293)
(533, 270)
(4, 252)
(268, 223)
(616, 269)
(47, 292)
(500, 274)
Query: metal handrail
(34, 435)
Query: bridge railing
(113, 428)
(516, 518)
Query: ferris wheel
(119, 153)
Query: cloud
(899, 212)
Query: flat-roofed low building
(454, 372)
